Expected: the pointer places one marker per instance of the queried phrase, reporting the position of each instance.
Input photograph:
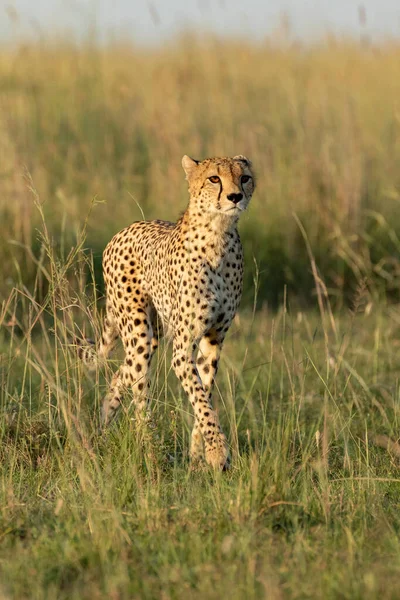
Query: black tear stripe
(231, 170)
(220, 188)
(240, 179)
(219, 196)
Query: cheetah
(187, 276)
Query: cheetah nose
(235, 198)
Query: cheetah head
(220, 185)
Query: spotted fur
(188, 277)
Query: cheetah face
(220, 185)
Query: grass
(321, 125)
(308, 391)
(310, 508)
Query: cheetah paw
(218, 457)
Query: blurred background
(152, 21)
(99, 100)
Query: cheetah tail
(87, 352)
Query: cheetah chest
(208, 295)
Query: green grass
(308, 391)
(310, 402)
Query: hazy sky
(151, 20)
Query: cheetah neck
(218, 224)
(209, 233)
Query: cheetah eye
(214, 179)
(245, 178)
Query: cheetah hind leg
(133, 373)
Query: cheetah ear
(189, 165)
(243, 159)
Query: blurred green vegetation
(321, 125)
(89, 139)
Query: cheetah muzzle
(188, 277)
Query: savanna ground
(308, 391)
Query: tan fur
(189, 275)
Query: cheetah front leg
(206, 420)
(207, 366)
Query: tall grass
(309, 399)
(310, 402)
(321, 125)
